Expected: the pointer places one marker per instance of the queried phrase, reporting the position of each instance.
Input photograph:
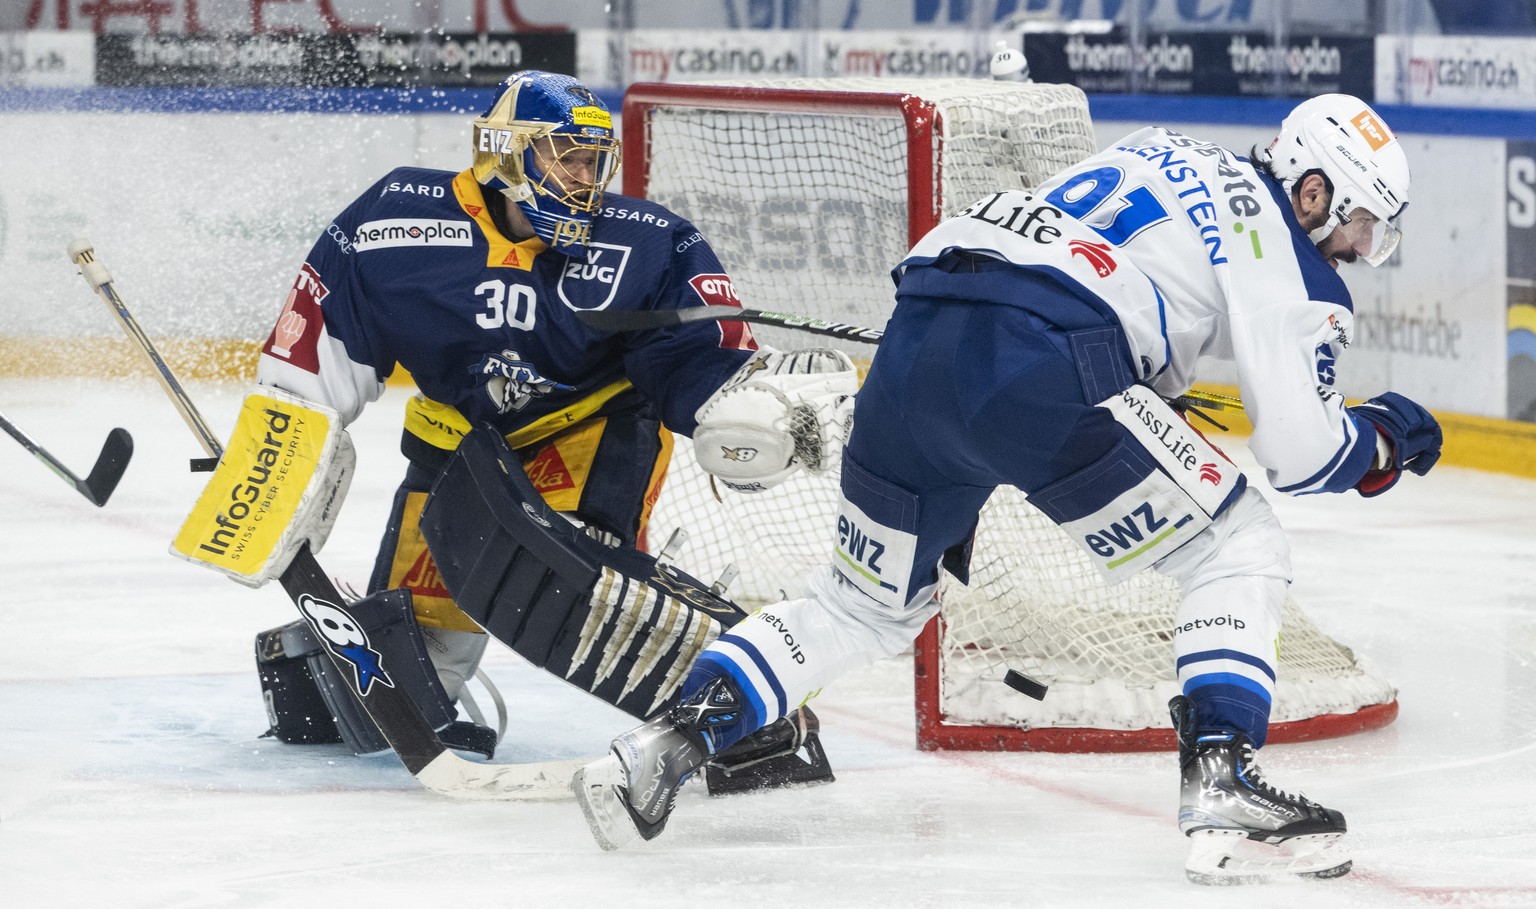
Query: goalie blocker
(278, 485)
(611, 621)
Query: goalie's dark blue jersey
(414, 272)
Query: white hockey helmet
(1344, 138)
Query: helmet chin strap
(1322, 233)
(1335, 219)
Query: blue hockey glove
(1413, 431)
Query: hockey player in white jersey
(1035, 340)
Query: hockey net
(810, 190)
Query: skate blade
(596, 788)
(1227, 857)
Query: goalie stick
(98, 484)
(648, 319)
(397, 716)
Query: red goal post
(810, 191)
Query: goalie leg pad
(611, 621)
(309, 701)
(296, 713)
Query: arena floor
(131, 773)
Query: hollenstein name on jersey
(396, 232)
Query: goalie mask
(1342, 137)
(547, 144)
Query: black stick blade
(108, 470)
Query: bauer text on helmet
(1341, 137)
(547, 143)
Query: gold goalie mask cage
(547, 143)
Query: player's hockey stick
(397, 716)
(1210, 400)
(647, 319)
(98, 484)
(84, 255)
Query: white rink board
(203, 218)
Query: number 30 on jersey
(507, 305)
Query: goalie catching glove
(780, 412)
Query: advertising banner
(1203, 63)
(47, 59)
(225, 61)
(1456, 71)
(460, 60)
(229, 17)
(929, 53)
(326, 61)
(1520, 243)
(702, 55)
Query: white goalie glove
(780, 412)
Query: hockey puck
(1023, 684)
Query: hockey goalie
(472, 281)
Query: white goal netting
(811, 191)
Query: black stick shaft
(648, 319)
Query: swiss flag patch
(717, 290)
(296, 336)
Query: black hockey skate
(630, 791)
(786, 752)
(1243, 830)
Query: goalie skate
(1243, 830)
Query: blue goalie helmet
(547, 144)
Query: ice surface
(131, 774)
